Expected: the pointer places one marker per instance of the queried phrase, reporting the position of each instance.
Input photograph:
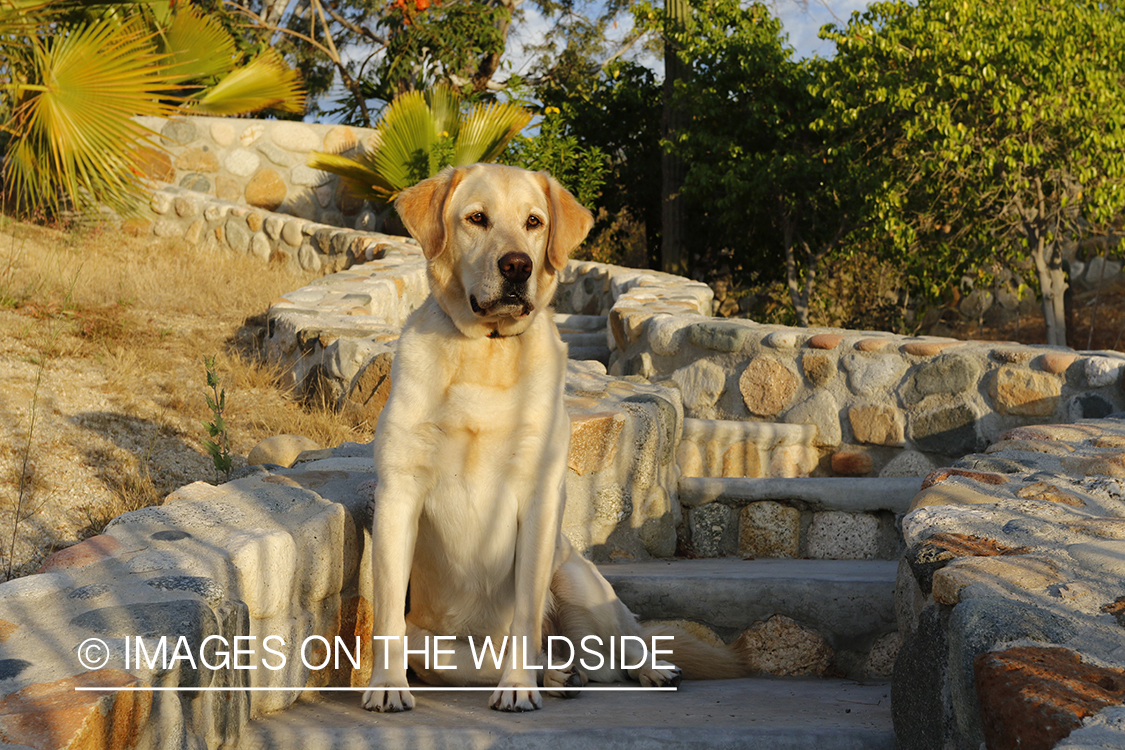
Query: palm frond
(75, 140)
(264, 82)
(445, 110)
(406, 136)
(413, 138)
(196, 45)
(360, 175)
(487, 130)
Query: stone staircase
(820, 632)
(798, 572)
(829, 617)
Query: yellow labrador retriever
(471, 451)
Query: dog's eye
(478, 218)
(534, 222)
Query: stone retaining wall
(865, 392)
(1011, 596)
(260, 164)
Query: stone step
(848, 602)
(581, 323)
(847, 494)
(584, 340)
(755, 714)
(594, 353)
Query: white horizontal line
(135, 689)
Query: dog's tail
(700, 655)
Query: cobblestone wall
(864, 391)
(1011, 596)
(259, 163)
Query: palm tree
(418, 135)
(74, 76)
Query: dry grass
(117, 329)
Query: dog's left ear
(422, 209)
(570, 222)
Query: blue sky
(801, 20)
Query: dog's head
(495, 238)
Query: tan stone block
(690, 459)
(792, 461)
(928, 348)
(228, 188)
(593, 441)
(56, 715)
(1110, 465)
(1110, 441)
(266, 189)
(194, 233)
(878, 425)
(369, 392)
(355, 619)
(742, 459)
(769, 529)
(997, 574)
(340, 139)
(255, 221)
(1050, 493)
(1035, 446)
(1048, 432)
(871, 345)
(1057, 363)
(824, 341)
(767, 386)
(851, 463)
(984, 477)
(818, 368)
(197, 160)
(782, 646)
(950, 494)
(1025, 393)
(155, 165)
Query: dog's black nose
(515, 267)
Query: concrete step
(581, 323)
(849, 602)
(847, 494)
(585, 340)
(756, 714)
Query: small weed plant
(219, 445)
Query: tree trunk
(672, 255)
(1052, 283)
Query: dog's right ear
(422, 209)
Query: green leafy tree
(1000, 128)
(379, 49)
(617, 111)
(768, 196)
(418, 135)
(74, 75)
(579, 169)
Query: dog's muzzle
(513, 301)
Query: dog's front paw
(663, 675)
(553, 679)
(388, 699)
(516, 698)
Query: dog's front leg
(394, 529)
(536, 542)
